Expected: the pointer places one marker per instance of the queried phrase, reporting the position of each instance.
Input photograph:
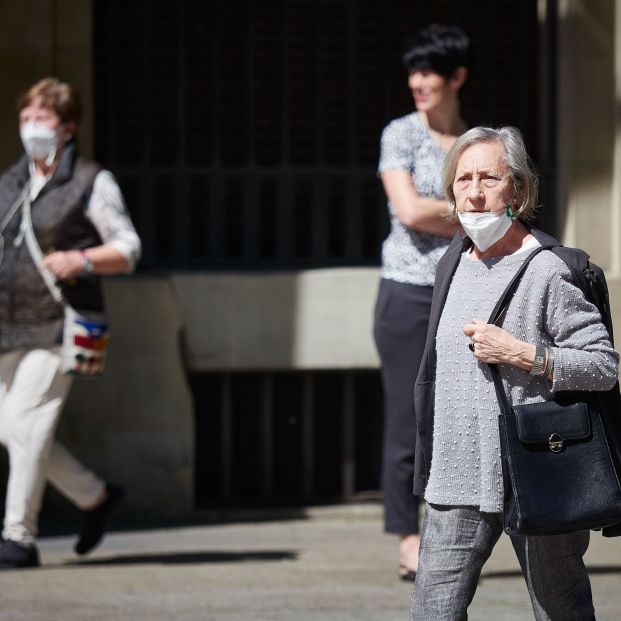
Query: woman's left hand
(63, 264)
(494, 345)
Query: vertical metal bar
(226, 438)
(215, 87)
(352, 94)
(216, 207)
(386, 64)
(267, 431)
(285, 207)
(348, 467)
(318, 82)
(284, 93)
(351, 232)
(250, 240)
(181, 222)
(387, 18)
(308, 435)
(216, 178)
(286, 190)
(353, 228)
(250, 225)
(489, 83)
(111, 116)
(250, 81)
(523, 76)
(319, 220)
(147, 176)
(147, 126)
(551, 115)
(181, 68)
(55, 37)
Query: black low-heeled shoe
(95, 521)
(406, 574)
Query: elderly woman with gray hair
(551, 339)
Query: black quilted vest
(29, 316)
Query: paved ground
(333, 565)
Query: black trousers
(400, 329)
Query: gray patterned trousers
(456, 542)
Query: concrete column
(135, 424)
(589, 134)
(40, 38)
(314, 319)
(615, 204)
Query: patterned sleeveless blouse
(411, 256)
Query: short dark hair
(440, 48)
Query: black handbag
(559, 472)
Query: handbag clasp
(555, 442)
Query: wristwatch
(540, 360)
(87, 266)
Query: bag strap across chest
(501, 306)
(37, 254)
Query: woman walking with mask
(80, 222)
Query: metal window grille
(286, 437)
(245, 134)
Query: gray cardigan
(573, 358)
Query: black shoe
(95, 521)
(406, 574)
(15, 555)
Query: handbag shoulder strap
(505, 298)
(37, 254)
(13, 209)
(496, 314)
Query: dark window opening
(286, 438)
(246, 134)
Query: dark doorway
(245, 134)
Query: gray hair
(521, 169)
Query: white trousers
(33, 391)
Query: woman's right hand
(63, 264)
(494, 345)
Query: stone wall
(135, 425)
(40, 38)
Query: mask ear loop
(60, 135)
(49, 160)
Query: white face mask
(485, 229)
(40, 141)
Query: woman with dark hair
(412, 154)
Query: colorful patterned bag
(85, 334)
(85, 343)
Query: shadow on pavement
(516, 573)
(66, 521)
(188, 558)
(605, 569)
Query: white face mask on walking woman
(40, 141)
(485, 229)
